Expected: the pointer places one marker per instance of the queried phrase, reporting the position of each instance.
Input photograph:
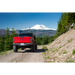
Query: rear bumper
(22, 44)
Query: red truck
(24, 40)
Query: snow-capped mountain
(39, 27)
(26, 29)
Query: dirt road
(23, 56)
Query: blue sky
(27, 20)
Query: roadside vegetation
(8, 51)
(51, 61)
(69, 63)
(64, 24)
(70, 40)
(45, 40)
(6, 42)
(73, 52)
(64, 52)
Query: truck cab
(24, 40)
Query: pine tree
(63, 24)
(45, 40)
(2, 39)
(59, 27)
(7, 32)
(38, 40)
(7, 44)
(0, 44)
(71, 16)
(13, 32)
(10, 42)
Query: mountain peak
(39, 27)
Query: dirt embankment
(61, 50)
(23, 56)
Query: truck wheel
(15, 48)
(33, 48)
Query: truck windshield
(25, 35)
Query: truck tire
(33, 48)
(15, 48)
(36, 47)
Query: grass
(44, 47)
(60, 47)
(70, 63)
(49, 43)
(67, 63)
(74, 27)
(48, 57)
(73, 52)
(65, 52)
(54, 50)
(5, 52)
(70, 40)
(46, 54)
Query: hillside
(2, 32)
(61, 50)
(38, 33)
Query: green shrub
(64, 52)
(44, 47)
(73, 52)
(60, 47)
(48, 57)
(70, 40)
